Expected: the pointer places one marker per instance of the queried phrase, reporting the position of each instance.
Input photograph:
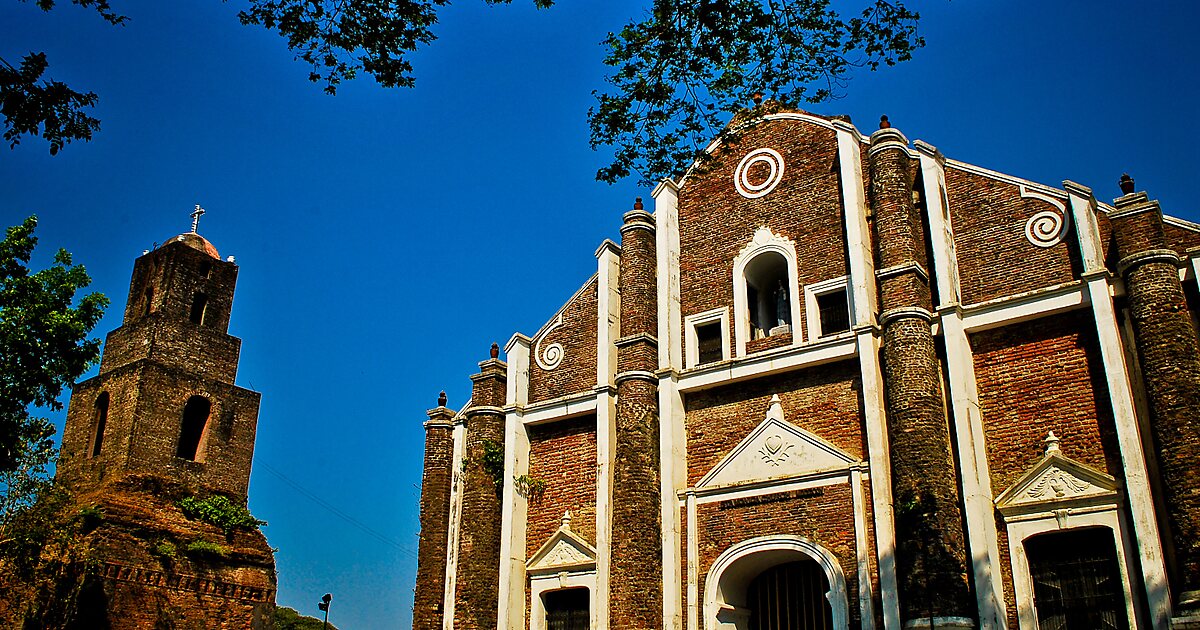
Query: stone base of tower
(139, 566)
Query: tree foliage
(677, 77)
(43, 347)
(681, 73)
(288, 619)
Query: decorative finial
(566, 520)
(758, 96)
(775, 408)
(495, 350)
(196, 214)
(442, 399)
(1051, 443)
(1127, 185)
(637, 203)
(883, 123)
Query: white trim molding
(763, 241)
(692, 322)
(743, 561)
(564, 561)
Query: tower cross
(196, 214)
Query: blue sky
(387, 237)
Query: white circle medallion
(741, 175)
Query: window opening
(99, 420)
(194, 428)
(708, 343)
(767, 295)
(148, 301)
(568, 609)
(199, 308)
(790, 596)
(835, 312)
(1076, 580)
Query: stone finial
(1051, 443)
(883, 123)
(1126, 183)
(637, 203)
(495, 351)
(566, 520)
(442, 399)
(775, 411)
(758, 97)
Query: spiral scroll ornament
(1046, 228)
(550, 356)
(741, 175)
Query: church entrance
(790, 596)
(1076, 580)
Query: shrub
(220, 511)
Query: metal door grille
(790, 597)
(567, 609)
(1076, 580)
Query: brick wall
(995, 258)
(436, 480)
(715, 222)
(563, 455)
(577, 335)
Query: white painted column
(863, 312)
(671, 435)
(862, 550)
(514, 508)
(608, 313)
(1120, 391)
(693, 564)
(460, 451)
(964, 393)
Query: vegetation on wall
(218, 510)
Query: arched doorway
(775, 583)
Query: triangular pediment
(564, 551)
(1055, 480)
(775, 449)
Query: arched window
(99, 420)
(768, 297)
(567, 609)
(1076, 579)
(765, 289)
(199, 308)
(194, 429)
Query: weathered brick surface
(1180, 239)
(824, 516)
(716, 223)
(577, 336)
(995, 258)
(1169, 355)
(636, 575)
(436, 481)
(478, 576)
(1042, 376)
(930, 542)
(825, 400)
(171, 275)
(563, 455)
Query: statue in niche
(783, 310)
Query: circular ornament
(741, 175)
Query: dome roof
(197, 242)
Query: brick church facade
(832, 380)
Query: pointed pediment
(564, 551)
(1056, 481)
(775, 448)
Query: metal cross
(196, 214)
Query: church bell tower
(164, 402)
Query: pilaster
(436, 481)
(1169, 356)
(608, 329)
(516, 505)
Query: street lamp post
(324, 605)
